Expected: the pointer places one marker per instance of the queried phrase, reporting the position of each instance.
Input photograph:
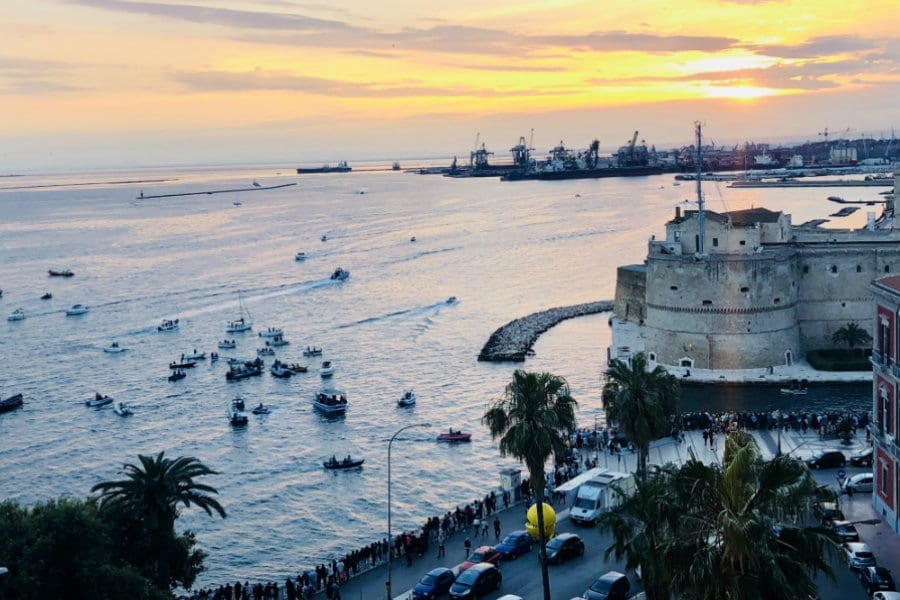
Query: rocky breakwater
(513, 341)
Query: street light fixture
(390, 538)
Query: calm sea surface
(503, 249)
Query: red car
(481, 554)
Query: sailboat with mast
(243, 323)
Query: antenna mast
(700, 228)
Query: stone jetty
(513, 341)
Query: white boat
(271, 332)
(228, 344)
(277, 341)
(327, 369)
(77, 309)
(300, 256)
(267, 351)
(168, 325)
(122, 409)
(331, 402)
(407, 399)
(114, 348)
(241, 324)
(312, 351)
(99, 400)
(340, 274)
(16, 315)
(193, 355)
(236, 414)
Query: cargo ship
(342, 167)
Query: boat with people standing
(346, 463)
(331, 401)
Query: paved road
(522, 577)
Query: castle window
(745, 289)
(715, 242)
(887, 268)
(674, 288)
(652, 356)
(677, 236)
(806, 268)
(834, 268)
(743, 242)
(858, 268)
(777, 300)
(707, 303)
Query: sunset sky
(112, 83)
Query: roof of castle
(739, 218)
(892, 283)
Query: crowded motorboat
(346, 463)
(331, 401)
(327, 369)
(271, 332)
(193, 355)
(168, 325)
(227, 345)
(279, 369)
(122, 409)
(265, 351)
(99, 400)
(313, 351)
(407, 399)
(454, 435)
(179, 374)
(277, 341)
(297, 368)
(184, 364)
(340, 274)
(236, 414)
(243, 370)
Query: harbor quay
(569, 580)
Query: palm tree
(152, 493)
(531, 419)
(641, 401)
(851, 334)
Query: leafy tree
(63, 549)
(151, 495)
(851, 334)
(733, 531)
(642, 401)
(531, 419)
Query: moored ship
(342, 167)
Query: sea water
(503, 249)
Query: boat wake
(426, 310)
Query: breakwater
(513, 341)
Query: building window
(707, 303)
(884, 342)
(858, 269)
(884, 404)
(777, 300)
(806, 268)
(715, 242)
(652, 356)
(677, 236)
(885, 481)
(674, 288)
(887, 268)
(745, 289)
(743, 242)
(834, 268)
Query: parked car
(826, 459)
(563, 547)
(876, 579)
(862, 458)
(481, 554)
(861, 482)
(859, 555)
(434, 583)
(609, 586)
(886, 596)
(828, 512)
(515, 545)
(475, 581)
(845, 530)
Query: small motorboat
(261, 409)
(327, 369)
(114, 348)
(454, 435)
(227, 344)
(278, 341)
(300, 256)
(77, 309)
(451, 300)
(271, 332)
(281, 370)
(340, 274)
(345, 463)
(179, 374)
(407, 399)
(331, 402)
(236, 415)
(168, 325)
(46, 296)
(324, 238)
(412, 239)
(122, 409)
(265, 351)
(193, 355)
(99, 400)
(794, 391)
(297, 368)
(16, 315)
(213, 356)
(184, 364)
(11, 403)
(63, 273)
(245, 369)
(312, 351)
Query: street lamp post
(390, 538)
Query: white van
(597, 495)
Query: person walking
(497, 527)
(441, 541)
(468, 546)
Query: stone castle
(756, 292)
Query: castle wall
(724, 311)
(631, 293)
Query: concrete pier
(513, 341)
